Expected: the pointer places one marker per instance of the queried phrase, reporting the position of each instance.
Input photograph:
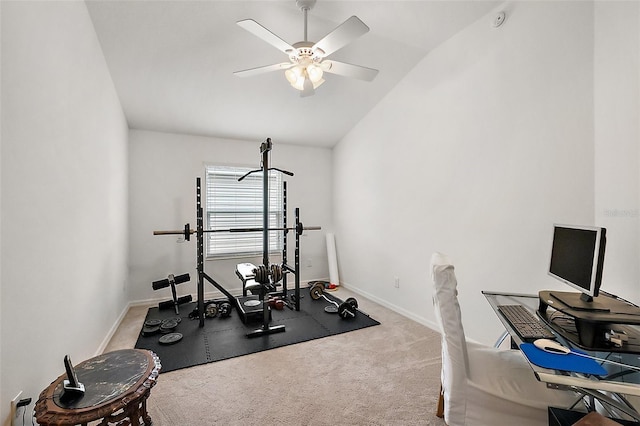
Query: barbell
(346, 310)
(187, 231)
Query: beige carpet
(383, 375)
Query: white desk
(610, 389)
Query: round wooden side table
(117, 385)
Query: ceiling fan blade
(344, 34)
(261, 70)
(348, 70)
(266, 35)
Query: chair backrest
(454, 347)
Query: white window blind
(232, 204)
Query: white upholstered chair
(482, 385)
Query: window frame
(245, 211)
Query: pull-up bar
(259, 170)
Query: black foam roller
(170, 304)
(157, 285)
(184, 299)
(182, 278)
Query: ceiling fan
(307, 60)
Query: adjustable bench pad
(244, 271)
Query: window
(232, 204)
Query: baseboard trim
(113, 330)
(397, 309)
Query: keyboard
(525, 323)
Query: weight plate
(261, 274)
(170, 339)
(170, 323)
(316, 291)
(346, 311)
(252, 303)
(150, 330)
(331, 309)
(168, 326)
(211, 311)
(225, 310)
(352, 301)
(152, 322)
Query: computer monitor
(577, 258)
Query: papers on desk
(568, 362)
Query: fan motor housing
(305, 4)
(304, 50)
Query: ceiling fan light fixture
(299, 75)
(294, 74)
(299, 85)
(315, 73)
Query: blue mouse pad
(568, 362)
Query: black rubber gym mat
(223, 338)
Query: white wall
(617, 142)
(64, 195)
(1, 115)
(476, 153)
(163, 169)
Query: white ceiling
(172, 62)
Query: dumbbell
(346, 310)
(224, 309)
(213, 309)
(276, 303)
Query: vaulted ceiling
(172, 62)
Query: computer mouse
(551, 346)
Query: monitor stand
(590, 326)
(581, 301)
